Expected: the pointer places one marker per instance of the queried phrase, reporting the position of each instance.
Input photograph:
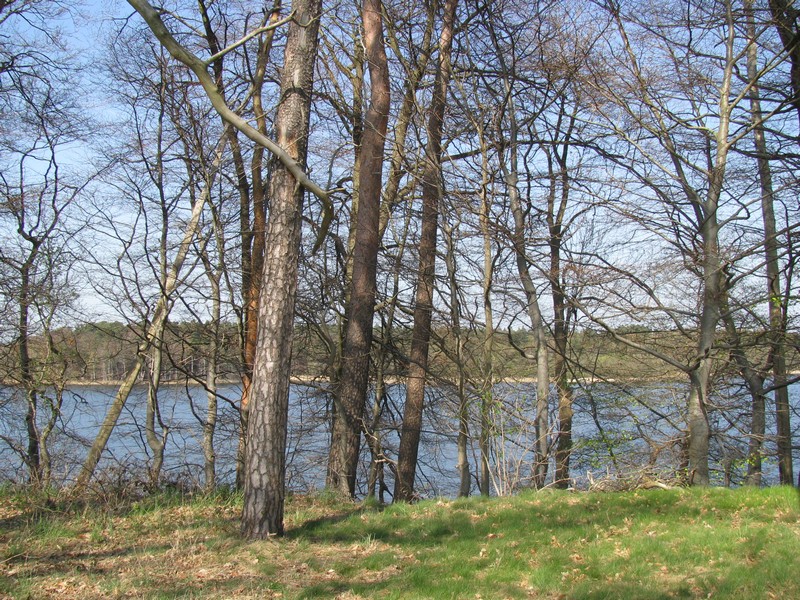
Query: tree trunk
(265, 454)
(754, 382)
(758, 420)
(109, 422)
(565, 398)
(713, 295)
(484, 443)
(377, 474)
(541, 422)
(487, 376)
(48, 428)
(462, 442)
(352, 392)
(373, 434)
(212, 363)
(33, 456)
(555, 225)
(210, 425)
(156, 442)
(251, 232)
(510, 174)
(257, 234)
(54, 399)
(285, 156)
(786, 19)
(423, 309)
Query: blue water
(616, 429)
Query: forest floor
(681, 543)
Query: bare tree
(36, 288)
(38, 188)
(785, 15)
(153, 334)
(690, 187)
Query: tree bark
(755, 381)
(353, 385)
(555, 226)
(109, 422)
(156, 442)
(541, 422)
(487, 376)
(462, 442)
(786, 19)
(423, 309)
(251, 197)
(255, 238)
(210, 424)
(33, 454)
(265, 453)
(214, 275)
(713, 294)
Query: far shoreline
(394, 380)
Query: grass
(696, 543)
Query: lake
(616, 428)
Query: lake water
(616, 429)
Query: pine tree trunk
(353, 386)
(423, 308)
(265, 450)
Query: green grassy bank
(696, 543)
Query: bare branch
(198, 67)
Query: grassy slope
(646, 544)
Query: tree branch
(198, 67)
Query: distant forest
(104, 352)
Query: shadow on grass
(66, 562)
(318, 529)
(470, 521)
(334, 588)
(473, 540)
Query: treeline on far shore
(104, 352)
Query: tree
(685, 156)
(423, 307)
(38, 189)
(151, 266)
(785, 16)
(36, 288)
(265, 455)
(267, 419)
(152, 335)
(252, 195)
(353, 384)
